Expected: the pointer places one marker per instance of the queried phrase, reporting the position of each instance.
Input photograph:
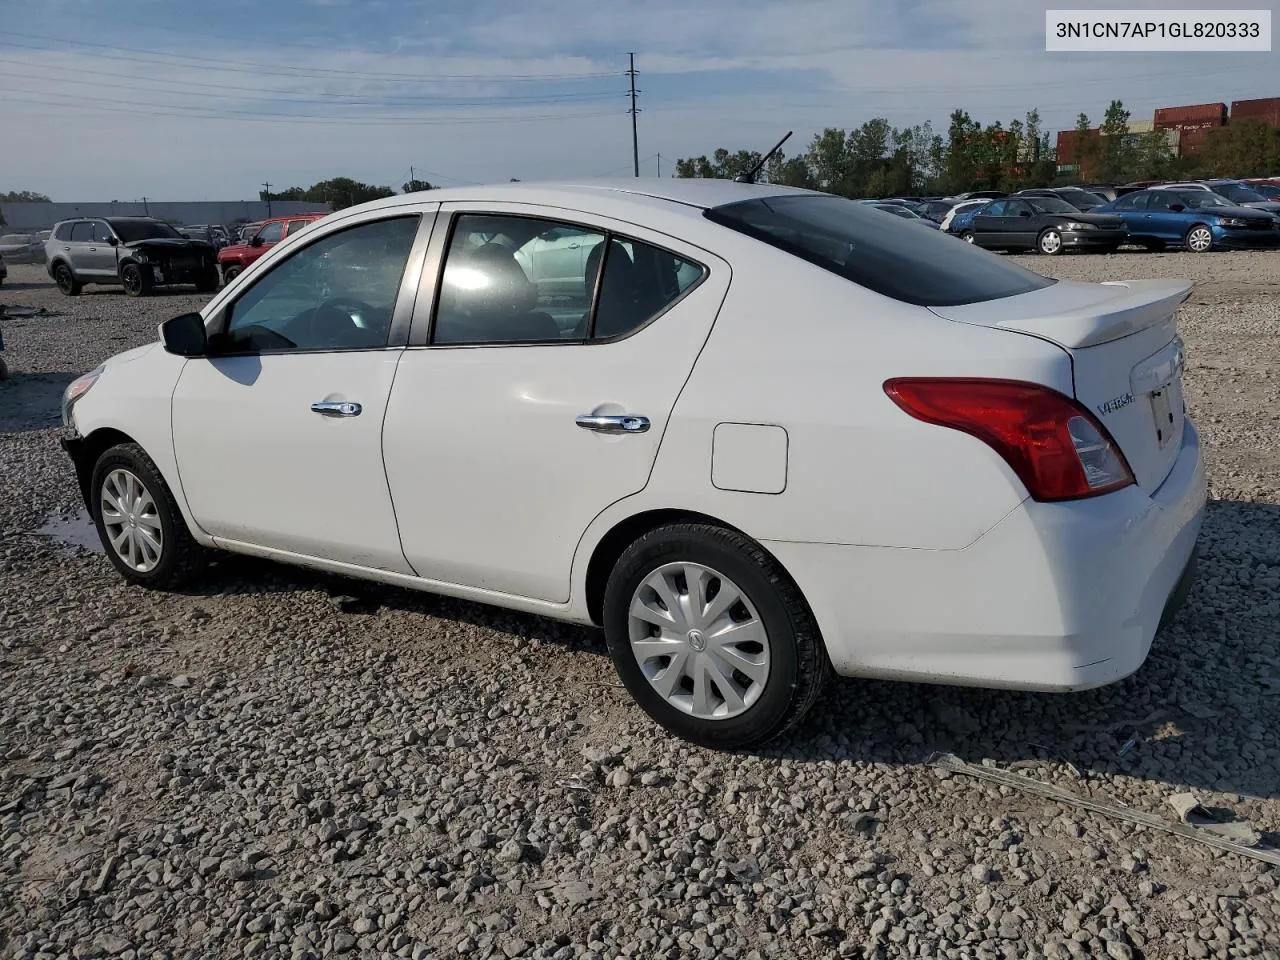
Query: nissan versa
(764, 435)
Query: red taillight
(1054, 445)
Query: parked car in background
(221, 233)
(936, 209)
(203, 232)
(247, 230)
(234, 259)
(1266, 188)
(22, 248)
(1048, 225)
(4, 270)
(1081, 199)
(978, 195)
(1196, 219)
(1242, 195)
(136, 253)
(961, 215)
(663, 467)
(899, 210)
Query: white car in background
(964, 206)
(778, 435)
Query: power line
(349, 120)
(194, 62)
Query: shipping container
(1267, 110)
(1191, 142)
(1211, 114)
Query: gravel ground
(283, 764)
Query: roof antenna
(750, 175)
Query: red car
(232, 260)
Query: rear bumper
(1056, 597)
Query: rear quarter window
(888, 255)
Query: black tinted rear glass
(133, 230)
(891, 256)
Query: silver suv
(136, 253)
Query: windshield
(131, 230)
(1051, 205)
(897, 260)
(1082, 199)
(1237, 193)
(1269, 191)
(1196, 199)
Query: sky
(191, 100)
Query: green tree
(830, 163)
(339, 192)
(1114, 133)
(1243, 148)
(963, 149)
(1038, 155)
(1152, 157)
(789, 171)
(723, 165)
(415, 186)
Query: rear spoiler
(1077, 315)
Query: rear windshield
(891, 256)
(132, 230)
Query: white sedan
(773, 434)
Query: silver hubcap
(1050, 242)
(1200, 240)
(699, 641)
(131, 521)
(968, 238)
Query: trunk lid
(1126, 357)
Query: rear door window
(295, 226)
(892, 257)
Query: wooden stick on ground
(953, 764)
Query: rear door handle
(613, 424)
(336, 408)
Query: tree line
(880, 160)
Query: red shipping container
(1212, 114)
(1191, 142)
(1267, 110)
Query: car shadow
(32, 401)
(1197, 715)
(9, 286)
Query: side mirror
(256, 241)
(112, 241)
(185, 335)
(1176, 207)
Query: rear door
(509, 430)
(76, 248)
(100, 256)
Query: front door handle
(613, 424)
(336, 408)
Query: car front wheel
(1050, 243)
(230, 272)
(138, 521)
(1199, 239)
(135, 280)
(711, 637)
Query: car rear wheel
(1199, 239)
(141, 528)
(711, 637)
(66, 280)
(136, 281)
(1049, 243)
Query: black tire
(181, 558)
(66, 280)
(1197, 230)
(208, 282)
(230, 272)
(1049, 242)
(798, 663)
(136, 281)
(968, 237)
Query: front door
(100, 255)
(1020, 224)
(991, 227)
(514, 424)
(278, 434)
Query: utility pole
(145, 208)
(267, 186)
(659, 164)
(410, 176)
(635, 142)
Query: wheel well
(85, 453)
(613, 543)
